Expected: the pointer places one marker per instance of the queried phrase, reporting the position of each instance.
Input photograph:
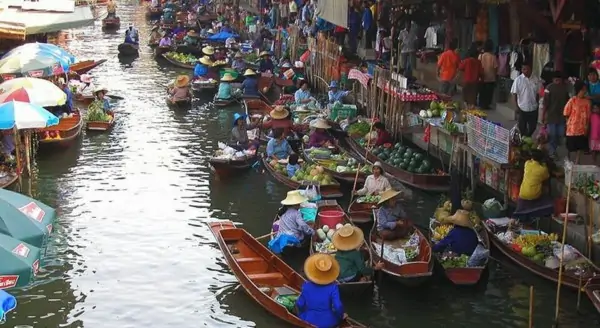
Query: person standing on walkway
(368, 25)
(447, 68)
(578, 111)
(472, 71)
(556, 96)
(525, 92)
(489, 62)
(408, 48)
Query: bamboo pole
(18, 152)
(579, 285)
(590, 229)
(530, 306)
(562, 250)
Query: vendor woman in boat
(155, 36)
(238, 64)
(100, 94)
(462, 239)
(335, 94)
(111, 9)
(239, 133)
(265, 64)
(392, 223)
(179, 29)
(280, 119)
(191, 39)
(250, 85)
(383, 136)
(86, 86)
(319, 302)
(180, 90)
(166, 40)
(201, 70)
(278, 147)
(68, 106)
(224, 92)
(302, 95)
(348, 241)
(209, 51)
(376, 183)
(320, 137)
(533, 201)
(290, 219)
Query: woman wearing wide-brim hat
(319, 302)
(376, 183)
(320, 137)
(392, 222)
(180, 90)
(265, 64)
(100, 94)
(348, 241)
(462, 239)
(225, 87)
(201, 68)
(208, 51)
(290, 218)
(280, 118)
(191, 39)
(250, 85)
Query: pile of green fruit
(182, 58)
(359, 129)
(96, 113)
(314, 173)
(454, 261)
(370, 199)
(404, 158)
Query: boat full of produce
(308, 174)
(180, 60)
(96, 119)
(361, 209)
(341, 166)
(228, 161)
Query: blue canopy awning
(222, 36)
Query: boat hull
(101, 126)
(111, 23)
(225, 168)
(159, 51)
(220, 103)
(179, 104)
(177, 63)
(361, 212)
(128, 49)
(592, 290)
(64, 134)
(85, 66)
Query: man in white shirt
(525, 92)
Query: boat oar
(115, 97)
(375, 219)
(265, 236)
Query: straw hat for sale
(249, 72)
(85, 78)
(238, 55)
(322, 269)
(182, 81)
(206, 61)
(294, 198)
(227, 77)
(100, 88)
(387, 195)
(208, 50)
(348, 238)
(461, 218)
(320, 124)
(192, 33)
(264, 53)
(279, 113)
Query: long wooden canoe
(468, 275)
(260, 272)
(177, 63)
(347, 288)
(111, 23)
(9, 179)
(592, 289)
(128, 49)
(179, 104)
(412, 273)
(426, 182)
(229, 167)
(64, 134)
(569, 279)
(328, 191)
(85, 66)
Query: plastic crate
(488, 139)
(342, 112)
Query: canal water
(131, 249)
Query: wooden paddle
(375, 219)
(115, 97)
(265, 236)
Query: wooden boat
(159, 51)
(256, 107)
(468, 275)
(63, 134)
(199, 87)
(348, 288)
(183, 49)
(410, 274)
(179, 104)
(101, 125)
(426, 182)
(9, 180)
(111, 23)
(85, 66)
(592, 290)
(291, 250)
(347, 177)
(229, 167)
(177, 63)
(361, 212)
(128, 49)
(261, 273)
(84, 99)
(328, 191)
(569, 279)
(153, 44)
(224, 102)
(153, 12)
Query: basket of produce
(325, 236)
(181, 60)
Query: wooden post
(530, 306)
(562, 251)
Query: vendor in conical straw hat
(348, 241)
(319, 303)
(208, 51)
(191, 39)
(100, 93)
(392, 222)
(462, 239)
(202, 67)
(225, 87)
(320, 137)
(180, 90)
(290, 219)
(280, 119)
(265, 64)
(376, 183)
(250, 84)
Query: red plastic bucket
(331, 218)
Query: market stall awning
(22, 23)
(334, 11)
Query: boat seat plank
(265, 276)
(597, 295)
(249, 259)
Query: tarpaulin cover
(222, 36)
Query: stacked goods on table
(219, 63)
(405, 158)
(325, 235)
(308, 173)
(339, 163)
(182, 58)
(96, 113)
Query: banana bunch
(533, 240)
(474, 112)
(441, 231)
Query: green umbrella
(25, 218)
(19, 262)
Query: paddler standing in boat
(111, 9)
(391, 218)
(347, 241)
(376, 183)
(319, 302)
(154, 36)
(180, 90)
(239, 133)
(67, 108)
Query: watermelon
(426, 165)
(383, 156)
(418, 156)
(401, 149)
(404, 165)
(397, 145)
(397, 161)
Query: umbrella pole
(28, 151)
(17, 151)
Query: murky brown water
(130, 248)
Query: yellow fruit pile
(441, 231)
(533, 240)
(475, 112)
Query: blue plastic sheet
(222, 36)
(277, 244)
(7, 304)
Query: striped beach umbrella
(36, 91)
(33, 63)
(43, 47)
(24, 115)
